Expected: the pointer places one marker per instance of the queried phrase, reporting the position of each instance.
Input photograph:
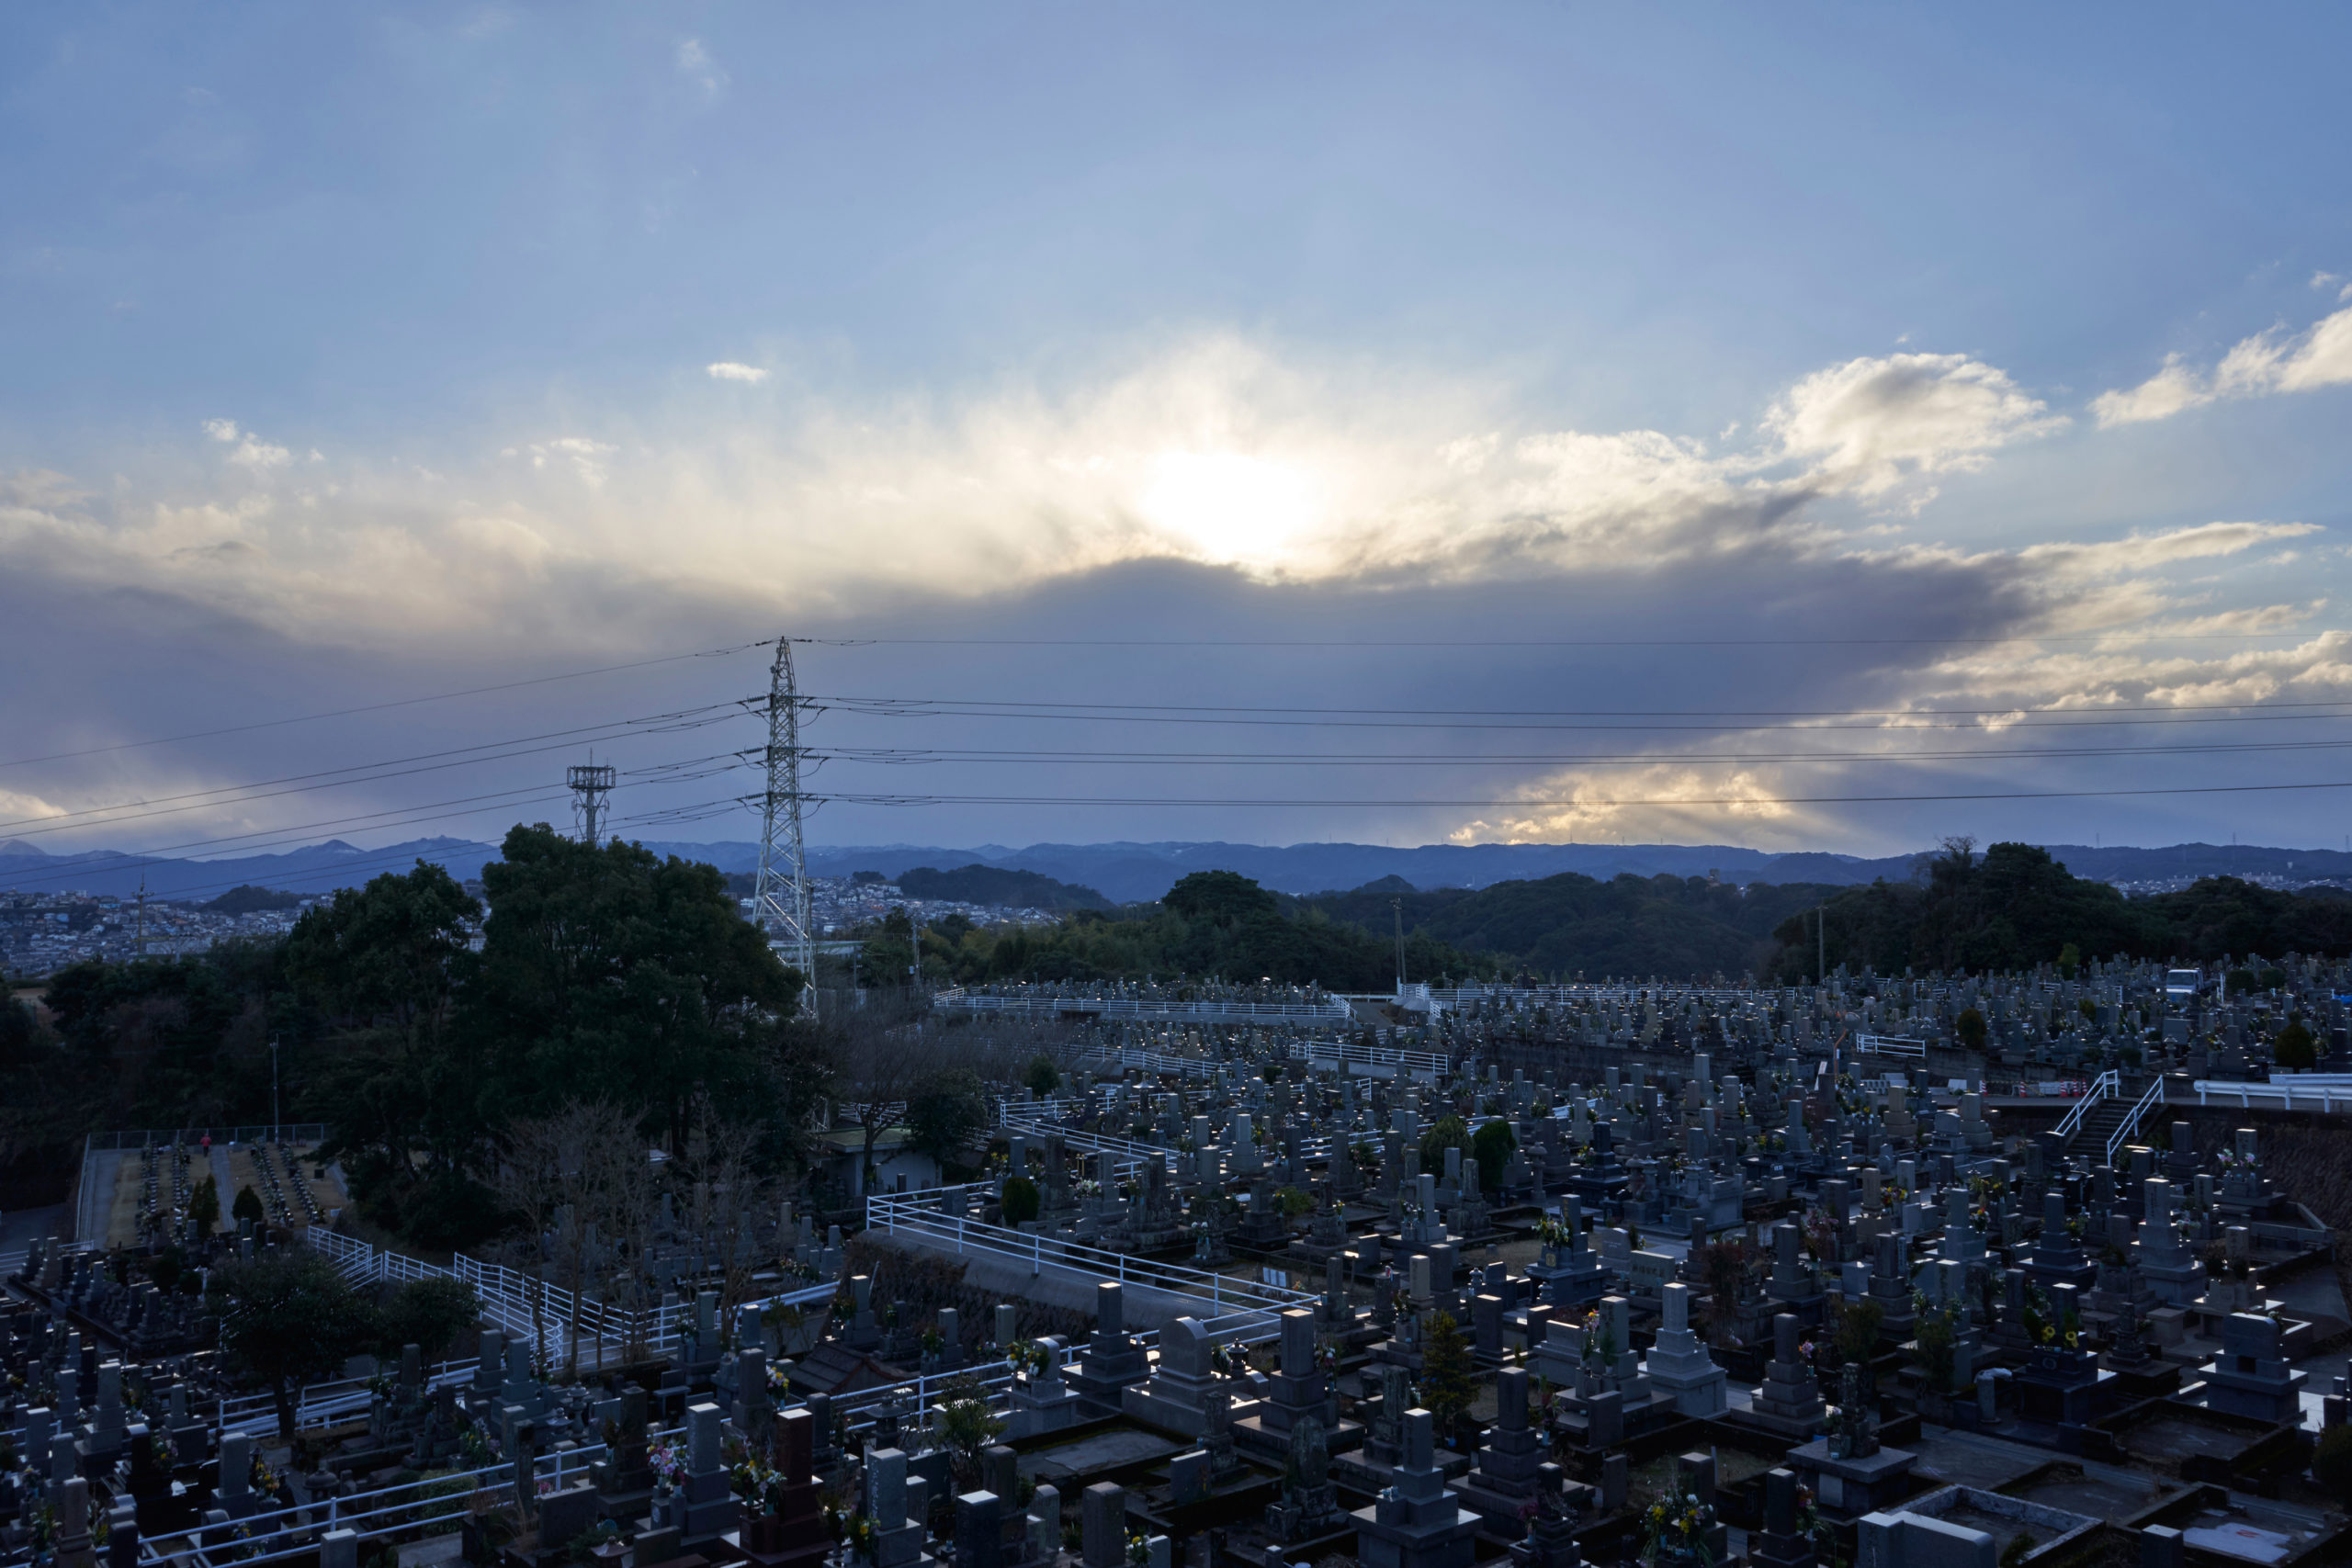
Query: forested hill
(2016, 906)
(999, 885)
(1672, 927)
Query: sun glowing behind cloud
(1231, 507)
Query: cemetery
(2024, 1269)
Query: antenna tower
(780, 900)
(589, 785)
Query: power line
(891, 708)
(1377, 643)
(887, 704)
(295, 834)
(367, 773)
(373, 860)
(1538, 801)
(885, 755)
(380, 707)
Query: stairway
(2099, 1122)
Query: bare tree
(576, 1176)
(733, 1203)
(885, 1055)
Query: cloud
(1665, 802)
(1874, 424)
(586, 454)
(2268, 363)
(694, 63)
(730, 370)
(252, 453)
(1217, 453)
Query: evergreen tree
(1447, 1371)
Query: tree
(204, 1205)
(1021, 1200)
(1220, 897)
(966, 1427)
(2294, 1047)
(1492, 1146)
(1043, 1078)
(286, 1318)
(16, 1033)
(429, 1314)
(2332, 1461)
(608, 973)
(1722, 1269)
(1970, 1027)
(1448, 1132)
(948, 1115)
(1858, 1325)
(886, 1057)
(382, 965)
(248, 1207)
(1447, 1371)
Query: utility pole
(276, 1131)
(1821, 924)
(780, 902)
(138, 940)
(589, 785)
(1397, 905)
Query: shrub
(1021, 1201)
(1491, 1145)
(2332, 1461)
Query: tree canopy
(2014, 906)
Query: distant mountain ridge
(1130, 872)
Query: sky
(1825, 427)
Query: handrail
(2330, 1097)
(1891, 1046)
(2106, 1083)
(1139, 1006)
(524, 1307)
(1238, 1309)
(279, 1533)
(2130, 1123)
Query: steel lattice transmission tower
(780, 902)
(589, 785)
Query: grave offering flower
(1678, 1526)
(1025, 1357)
(862, 1536)
(1138, 1550)
(666, 1461)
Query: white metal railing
(2327, 1098)
(524, 1307)
(2130, 1123)
(1355, 1053)
(319, 1404)
(1891, 1046)
(411, 1505)
(2106, 1083)
(1598, 991)
(1235, 1309)
(1127, 1154)
(1123, 1057)
(1141, 1007)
